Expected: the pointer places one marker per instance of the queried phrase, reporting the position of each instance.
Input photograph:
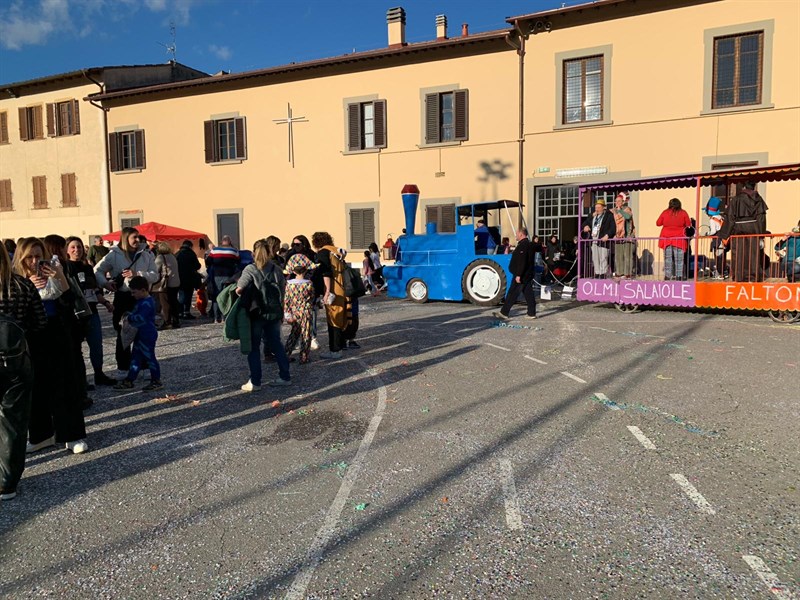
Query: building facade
(53, 167)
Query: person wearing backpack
(21, 312)
(262, 287)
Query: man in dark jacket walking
(522, 267)
(188, 267)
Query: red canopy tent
(163, 233)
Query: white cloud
(221, 52)
(21, 25)
(27, 22)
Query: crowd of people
(737, 229)
(52, 291)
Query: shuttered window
(447, 117)
(132, 222)
(738, 61)
(225, 139)
(6, 201)
(362, 228)
(126, 150)
(583, 90)
(31, 124)
(39, 191)
(4, 128)
(63, 118)
(366, 125)
(444, 215)
(69, 192)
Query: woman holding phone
(57, 407)
(114, 272)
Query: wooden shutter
(23, 124)
(76, 117)
(138, 140)
(69, 193)
(369, 227)
(3, 127)
(353, 127)
(431, 118)
(447, 224)
(241, 138)
(40, 191)
(356, 228)
(461, 114)
(379, 107)
(113, 151)
(211, 143)
(5, 195)
(38, 124)
(51, 119)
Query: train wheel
(484, 282)
(627, 308)
(417, 291)
(785, 316)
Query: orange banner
(756, 296)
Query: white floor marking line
(498, 347)
(768, 577)
(693, 494)
(571, 376)
(604, 398)
(643, 439)
(513, 516)
(328, 528)
(536, 360)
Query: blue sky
(45, 37)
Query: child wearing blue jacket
(143, 317)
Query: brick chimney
(441, 27)
(464, 30)
(396, 20)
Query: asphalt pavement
(584, 454)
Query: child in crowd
(368, 271)
(298, 305)
(143, 318)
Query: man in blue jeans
(270, 333)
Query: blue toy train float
(451, 266)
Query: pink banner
(632, 291)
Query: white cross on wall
(289, 120)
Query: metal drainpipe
(520, 48)
(107, 208)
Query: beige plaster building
(53, 167)
(612, 89)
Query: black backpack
(353, 282)
(13, 344)
(270, 298)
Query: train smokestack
(410, 195)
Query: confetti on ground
(660, 376)
(687, 425)
(362, 506)
(445, 499)
(554, 351)
(504, 325)
(167, 398)
(425, 409)
(196, 403)
(678, 346)
(304, 411)
(276, 404)
(340, 467)
(690, 357)
(333, 448)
